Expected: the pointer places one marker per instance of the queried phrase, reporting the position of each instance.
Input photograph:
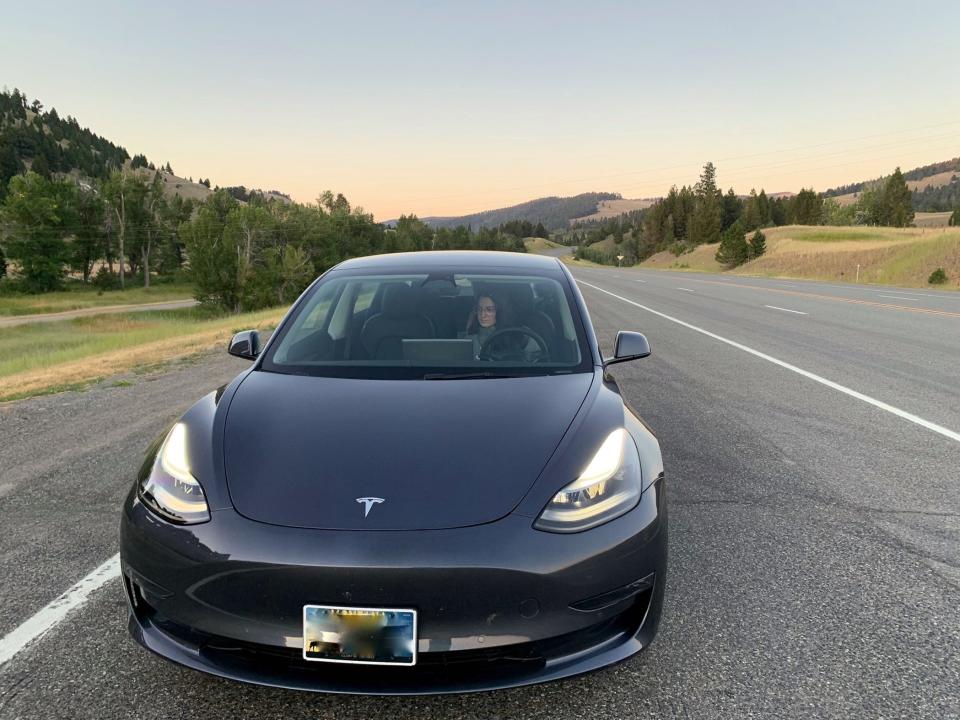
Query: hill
(32, 138)
(935, 188)
(896, 256)
(613, 208)
(43, 141)
(554, 212)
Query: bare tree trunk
(109, 249)
(145, 258)
(121, 220)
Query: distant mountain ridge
(554, 212)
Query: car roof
(462, 260)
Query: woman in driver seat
(490, 314)
(482, 322)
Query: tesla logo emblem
(369, 502)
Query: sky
(445, 108)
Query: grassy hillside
(536, 245)
(935, 188)
(34, 138)
(613, 208)
(886, 255)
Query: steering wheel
(496, 348)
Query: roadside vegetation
(42, 357)
(83, 224)
(79, 296)
(895, 256)
(538, 245)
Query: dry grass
(42, 356)
(886, 255)
(612, 208)
(932, 219)
(700, 259)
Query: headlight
(170, 490)
(608, 487)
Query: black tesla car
(425, 482)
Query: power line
(554, 183)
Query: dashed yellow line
(837, 298)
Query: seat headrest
(399, 301)
(521, 295)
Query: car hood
(303, 451)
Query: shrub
(106, 280)
(937, 277)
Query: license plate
(365, 636)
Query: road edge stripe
(50, 616)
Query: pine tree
(758, 244)
(707, 216)
(751, 211)
(733, 248)
(732, 208)
(766, 214)
(41, 167)
(897, 201)
(807, 206)
(10, 165)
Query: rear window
(433, 325)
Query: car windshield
(433, 325)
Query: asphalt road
(815, 535)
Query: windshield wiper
(473, 375)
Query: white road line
(49, 617)
(897, 297)
(795, 312)
(638, 280)
(687, 289)
(916, 419)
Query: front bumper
(499, 605)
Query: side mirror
(245, 345)
(629, 346)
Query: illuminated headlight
(171, 491)
(608, 487)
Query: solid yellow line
(887, 306)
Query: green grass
(78, 296)
(47, 344)
(851, 234)
(536, 244)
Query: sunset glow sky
(440, 108)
